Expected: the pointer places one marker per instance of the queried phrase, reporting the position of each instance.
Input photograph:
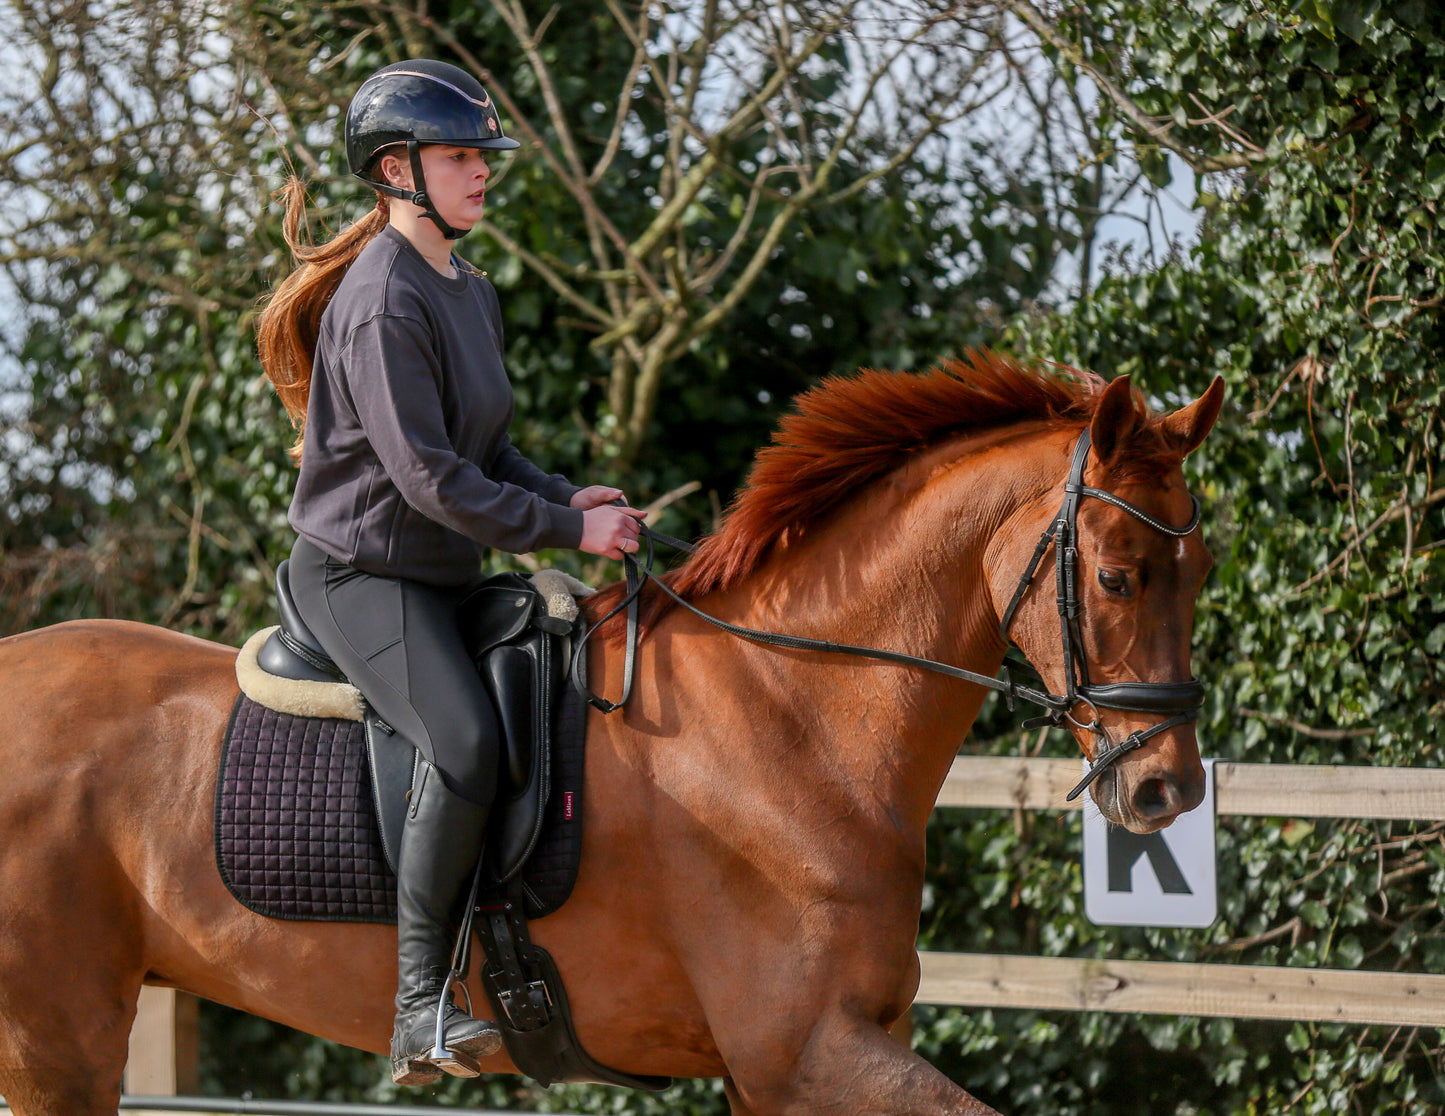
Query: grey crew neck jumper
(407, 469)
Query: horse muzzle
(1177, 702)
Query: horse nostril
(1157, 798)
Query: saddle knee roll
(516, 676)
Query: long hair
(290, 320)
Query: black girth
(1179, 700)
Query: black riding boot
(438, 855)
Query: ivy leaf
(1350, 19)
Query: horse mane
(849, 430)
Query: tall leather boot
(438, 854)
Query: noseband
(1181, 699)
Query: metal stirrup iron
(454, 1061)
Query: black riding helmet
(415, 103)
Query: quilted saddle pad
(296, 833)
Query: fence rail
(1177, 988)
(1240, 789)
(1180, 988)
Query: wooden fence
(163, 1043)
(1173, 988)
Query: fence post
(163, 1058)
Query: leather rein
(1179, 702)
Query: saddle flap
(519, 677)
(393, 763)
(522, 678)
(519, 662)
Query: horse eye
(1113, 581)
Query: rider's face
(456, 180)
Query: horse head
(1113, 640)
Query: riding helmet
(414, 103)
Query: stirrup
(455, 1062)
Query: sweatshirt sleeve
(513, 466)
(394, 382)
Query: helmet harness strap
(419, 196)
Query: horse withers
(753, 857)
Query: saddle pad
(296, 833)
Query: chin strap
(419, 196)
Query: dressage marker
(1173, 988)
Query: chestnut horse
(749, 891)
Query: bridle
(1178, 702)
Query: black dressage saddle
(515, 646)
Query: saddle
(514, 640)
(519, 640)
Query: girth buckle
(531, 1009)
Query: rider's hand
(610, 531)
(596, 496)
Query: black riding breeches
(399, 644)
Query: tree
(718, 204)
(129, 236)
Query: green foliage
(1314, 291)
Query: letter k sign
(1125, 848)
(1156, 879)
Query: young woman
(387, 352)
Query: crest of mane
(850, 430)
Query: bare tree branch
(1156, 130)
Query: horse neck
(904, 567)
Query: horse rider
(386, 349)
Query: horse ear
(1116, 419)
(1188, 426)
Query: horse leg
(71, 965)
(62, 1053)
(844, 1067)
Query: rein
(1181, 699)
